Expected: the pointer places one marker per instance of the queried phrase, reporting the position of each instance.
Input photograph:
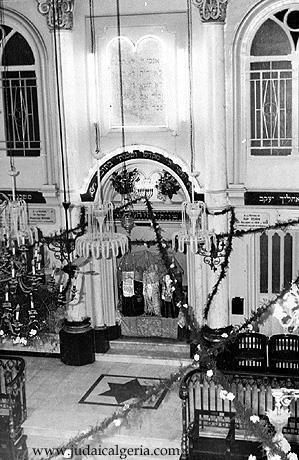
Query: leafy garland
(205, 357)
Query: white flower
(196, 357)
(226, 395)
(16, 340)
(172, 266)
(210, 373)
(254, 418)
(32, 332)
(1, 332)
(284, 445)
(185, 305)
(223, 394)
(292, 456)
(224, 335)
(198, 347)
(23, 341)
(250, 327)
(117, 422)
(252, 457)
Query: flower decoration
(254, 418)
(23, 341)
(226, 395)
(123, 182)
(32, 332)
(167, 186)
(196, 357)
(286, 310)
(292, 456)
(224, 335)
(117, 422)
(210, 373)
(1, 332)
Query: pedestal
(101, 339)
(77, 343)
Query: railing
(200, 395)
(12, 395)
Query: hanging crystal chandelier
(194, 232)
(100, 240)
(14, 218)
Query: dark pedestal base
(77, 343)
(114, 332)
(101, 339)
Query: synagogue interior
(149, 229)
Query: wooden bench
(210, 428)
(12, 408)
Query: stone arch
(112, 163)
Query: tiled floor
(54, 414)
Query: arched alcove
(139, 320)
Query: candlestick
(6, 294)
(31, 302)
(18, 312)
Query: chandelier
(100, 240)
(194, 233)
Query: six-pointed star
(124, 391)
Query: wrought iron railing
(201, 400)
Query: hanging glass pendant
(127, 221)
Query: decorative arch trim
(109, 164)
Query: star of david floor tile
(116, 390)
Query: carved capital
(59, 13)
(211, 10)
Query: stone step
(138, 350)
(152, 347)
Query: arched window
(19, 97)
(274, 85)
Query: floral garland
(206, 357)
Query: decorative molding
(106, 167)
(61, 10)
(211, 10)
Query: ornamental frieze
(59, 13)
(211, 10)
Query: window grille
(21, 113)
(19, 117)
(271, 108)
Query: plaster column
(212, 100)
(59, 16)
